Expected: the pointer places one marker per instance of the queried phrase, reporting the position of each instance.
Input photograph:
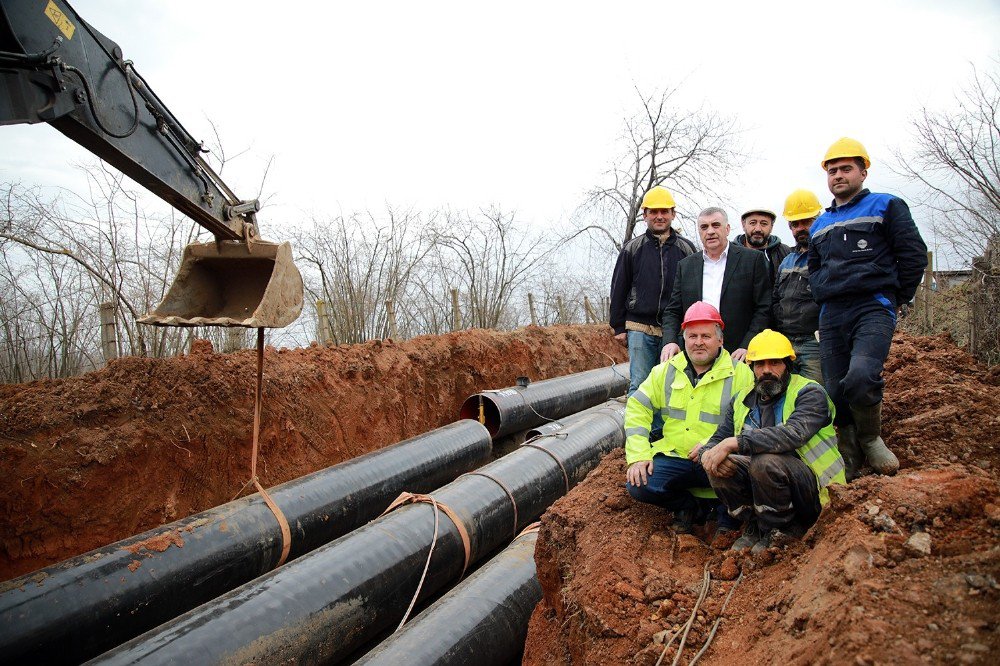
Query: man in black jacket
(732, 278)
(642, 282)
(757, 226)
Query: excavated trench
(94, 459)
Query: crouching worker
(691, 392)
(774, 455)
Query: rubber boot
(869, 429)
(847, 444)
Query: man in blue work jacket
(866, 259)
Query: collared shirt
(711, 277)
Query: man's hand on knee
(638, 472)
(716, 460)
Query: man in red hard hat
(691, 393)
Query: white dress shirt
(711, 278)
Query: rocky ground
(93, 459)
(900, 570)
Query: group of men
(731, 347)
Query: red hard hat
(701, 312)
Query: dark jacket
(745, 302)
(775, 251)
(869, 246)
(812, 412)
(644, 277)
(794, 312)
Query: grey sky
(518, 103)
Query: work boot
(869, 429)
(684, 521)
(847, 444)
(751, 535)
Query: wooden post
(531, 309)
(390, 313)
(234, 339)
(586, 309)
(928, 282)
(560, 315)
(322, 323)
(456, 315)
(109, 333)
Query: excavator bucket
(225, 284)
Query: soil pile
(94, 459)
(897, 570)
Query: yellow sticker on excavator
(57, 16)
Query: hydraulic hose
(86, 605)
(521, 407)
(482, 621)
(323, 606)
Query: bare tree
(689, 151)
(355, 265)
(956, 160)
(489, 259)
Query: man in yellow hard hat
(757, 226)
(774, 455)
(866, 259)
(691, 392)
(642, 282)
(794, 312)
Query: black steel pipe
(323, 606)
(481, 621)
(559, 424)
(86, 605)
(517, 408)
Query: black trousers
(779, 489)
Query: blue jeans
(854, 341)
(807, 358)
(667, 487)
(643, 354)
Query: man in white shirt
(734, 279)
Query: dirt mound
(96, 458)
(897, 570)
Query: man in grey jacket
(775, 453)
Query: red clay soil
(93, 459)
(858, 589)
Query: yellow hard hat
(845, 147)
(658, 197)
(769, 344)
(800, 205)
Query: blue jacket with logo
(868, 246)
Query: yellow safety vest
(820, 452)
(691, 414)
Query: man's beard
(759, 241)
(802, 240)
(770, 387)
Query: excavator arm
(58, 69)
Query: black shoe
(684, 521)
(775, 538)
(751, 535)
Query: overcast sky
(465, 104)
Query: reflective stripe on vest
(704, 417)
(820, 453)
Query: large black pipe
(482, 621)
(86, 605)
(323, 606)
(559, 424)
(517, 408)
